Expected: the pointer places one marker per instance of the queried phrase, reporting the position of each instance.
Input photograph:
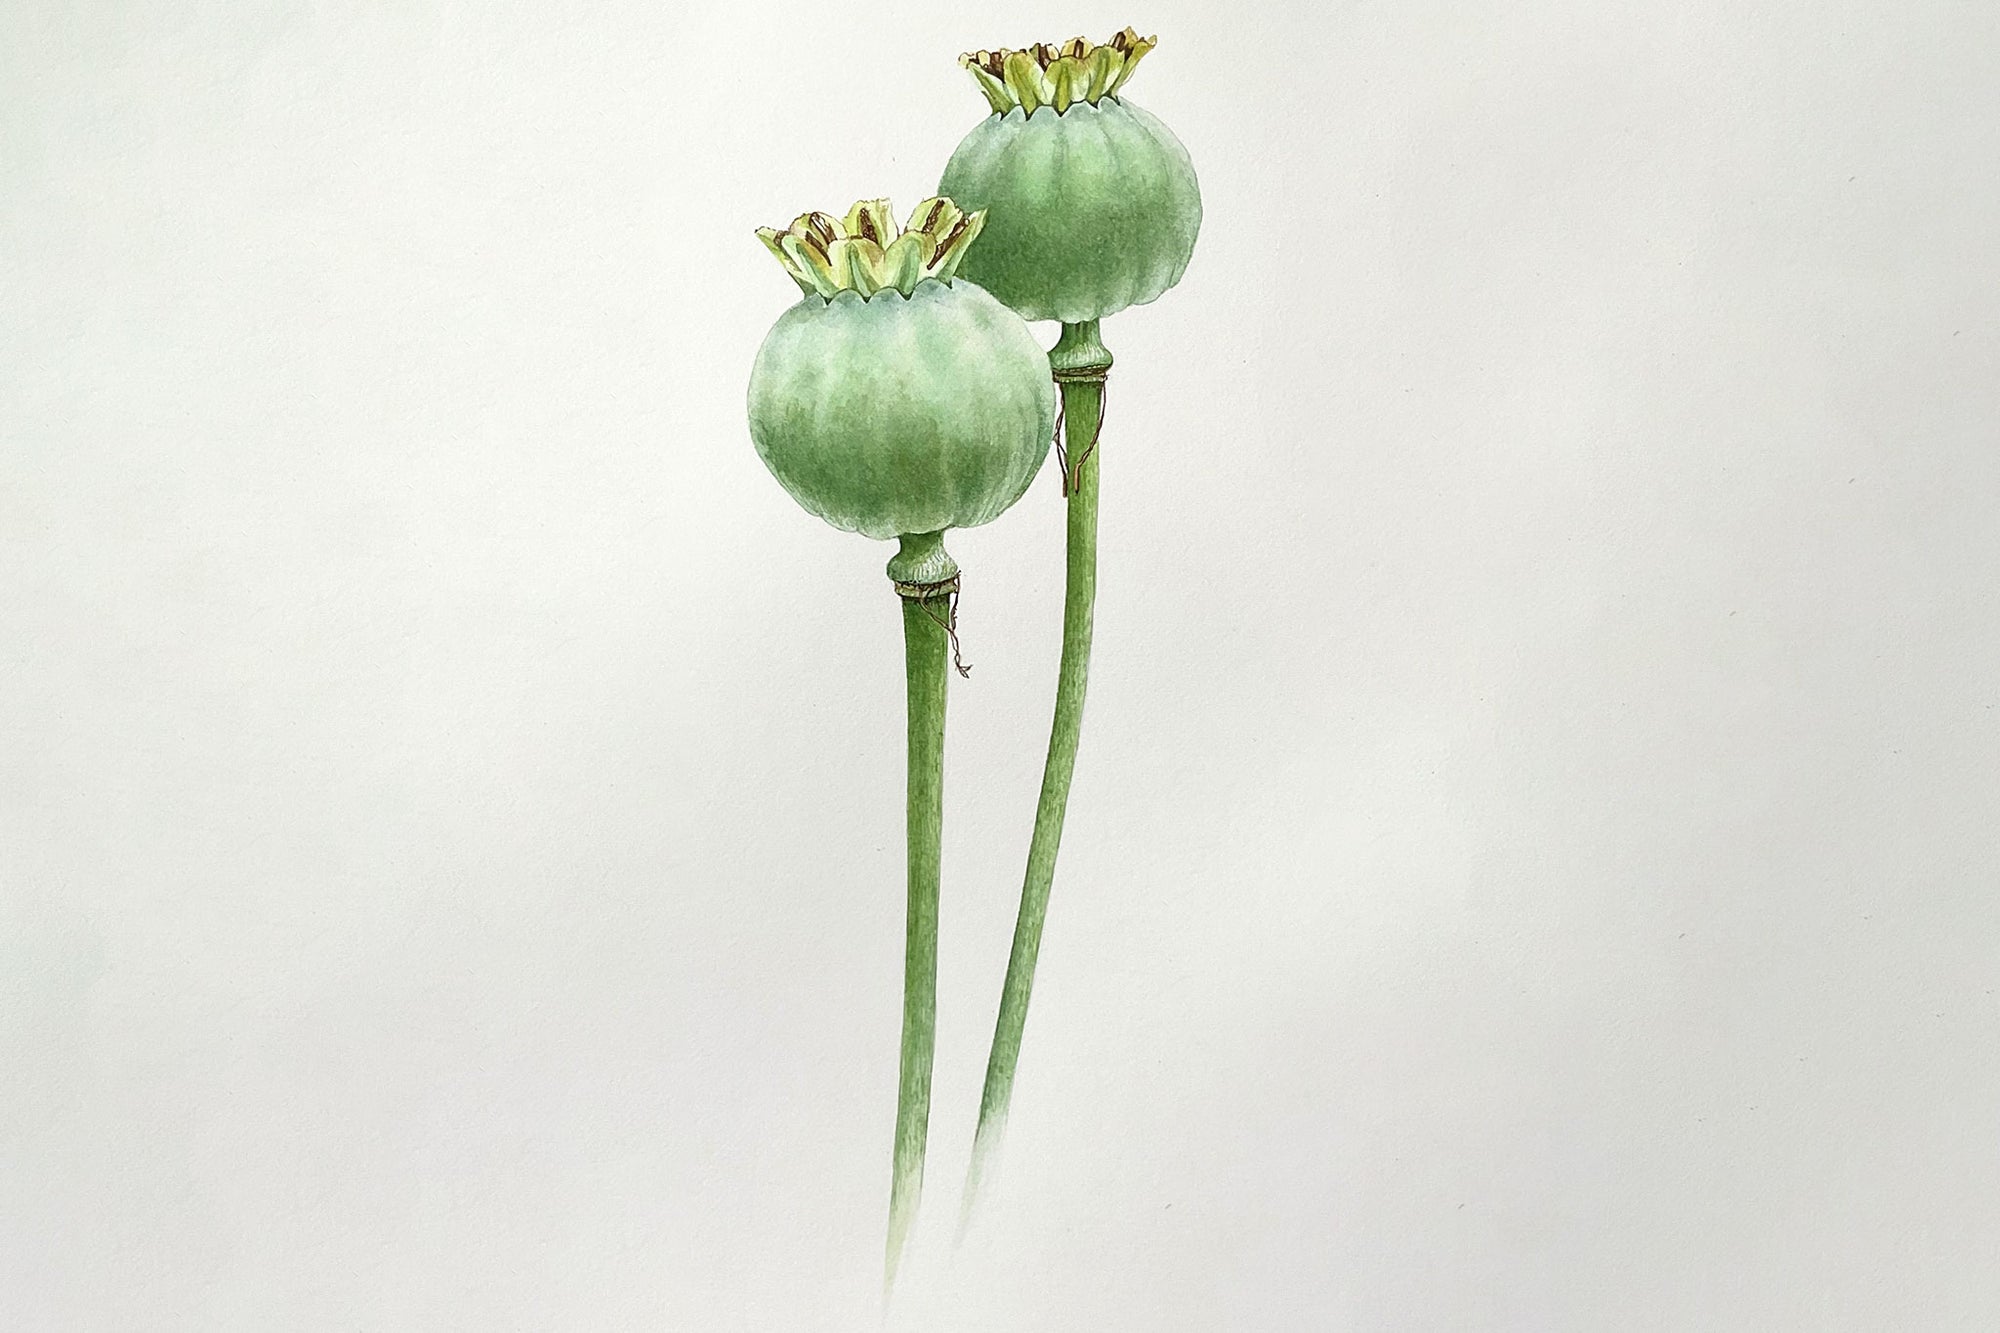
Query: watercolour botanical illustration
(904, 395)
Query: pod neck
(1079, 354)
(922, 568)
(926, 578)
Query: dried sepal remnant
(866, 252)
(1057, 76)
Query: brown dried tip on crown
(1058, 76)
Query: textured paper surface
(1532, 860)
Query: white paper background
(1533, 860)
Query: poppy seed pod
(899, 400)
(1091, 202)
(1092, 206)
(896, 398)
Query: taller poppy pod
(1091, 207)
(1091, 203)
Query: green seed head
(1091, 203)
(893, 403)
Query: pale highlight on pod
(865, 252)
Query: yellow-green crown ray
(866, 252)
(1058, 76)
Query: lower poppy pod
(901, 402)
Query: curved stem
(1080, 363)
(926, 615)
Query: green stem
(1080, 363)
(927, 610)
